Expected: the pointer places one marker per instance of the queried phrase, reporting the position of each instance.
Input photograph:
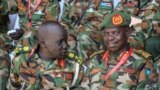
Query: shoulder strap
(30, 13)
(123, 59)
(76, 74)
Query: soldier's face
(56, 43)
(115, 38)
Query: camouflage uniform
(84, 17)
(152, 46)
(129, 76)
(148, 11)
(42, 12)
(4, 62)
(4, 69)
(136, 72)
(144, 29)
(33, 73)
(128, 6)
(4, 15)
(29, 22)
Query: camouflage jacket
(130, 76)
(4, 69)
(34, 73)
(90, 49)
(127, 7)
(157, 70)
(39, 12)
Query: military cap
(115, 19)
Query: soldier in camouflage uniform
(83, 18)
(143, 30)
(152, 43)
(45, 68)
(123, 67)
(89, 39)
(32, 13)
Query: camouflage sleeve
(90, 49)
(157, 70)
(89, 43)
(91, 80)
(4, 69)
(15, 81)
(147, 76)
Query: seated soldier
(124, 67)
(45, 68)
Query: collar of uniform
(117, 55)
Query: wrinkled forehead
(116, 29)
(52, 32)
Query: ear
(42, 43)
(128, 32)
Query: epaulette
(23, 49)
(75, 57)
(143, 53)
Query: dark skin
(115, 39)
(52, 39)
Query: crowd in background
(21, 40)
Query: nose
(110, 37)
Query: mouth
(111, 45)
(64, 52)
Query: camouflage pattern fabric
(78, 13)
(3, 15)
(43, 12)
(4, 7)
(148, 11)
(4, 69)
(33, 73)
(130, 76)
(130, 7)
(88, 38)
(89, 43)
(156, 70)
(152, 46)
(5, 43)
(156, 22)
(28, 39)
(90, 49)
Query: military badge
(117, 19)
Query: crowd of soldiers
(80, 45)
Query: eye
(116, 32)
(60, 42)
(105, 33)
